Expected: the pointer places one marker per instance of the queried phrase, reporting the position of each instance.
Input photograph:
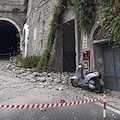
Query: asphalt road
(89, 111)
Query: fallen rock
(57, 80)
(49, 79)
(59, 88)
(46, 84)
(49, 74)
(50, 87)
(32, 80)
(64, 82)
(41, 79)
(42, 86)
(44, 74)
(24, 74)
(35, 74)
(21, 71)
(8, 66)
(29, 77)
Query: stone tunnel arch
(10, 37)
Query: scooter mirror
(79, 66)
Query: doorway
(111, 70)
(69, 62)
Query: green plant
(30, 61)
(43, 26)
(85, 14)
(43, 22)
(26, 5)
(110, 21)
(19, 52)
(41, 42)
(52, 33)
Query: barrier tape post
(104, 110)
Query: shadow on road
(4, 57)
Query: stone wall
(39, 16)
(13, 10)
(12, 2)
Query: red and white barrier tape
(50, 105)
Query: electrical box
(86, 60)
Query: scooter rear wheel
(98, 87)
(74, 83)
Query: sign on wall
(35, 34)
(85, 42)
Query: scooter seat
(89, 72)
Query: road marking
(108, 108)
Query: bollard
(104, 110)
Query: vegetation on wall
(110, 21)
(30, 61)
(85, 14)
(26, 5)
(42, 33)
(43, 26)
(52, 33)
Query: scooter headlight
(79, 66)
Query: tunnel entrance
(9, 38)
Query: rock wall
(13, 2)
(13, 10)
(39, 16)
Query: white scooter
(92, 80)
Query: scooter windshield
(78, 73)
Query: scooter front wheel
(74, 83)
(98, 87)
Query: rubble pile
(44, 79)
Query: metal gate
(111, 70)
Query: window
(35, 33)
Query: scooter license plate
(101, 82)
